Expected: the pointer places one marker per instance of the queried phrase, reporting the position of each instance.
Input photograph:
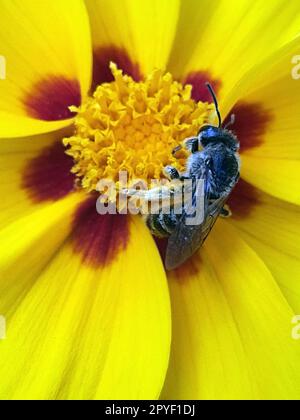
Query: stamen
(134, 127)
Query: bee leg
(191, 144)
(177, 149)
(154, 224)
(226, 212)
(169, 222)
(185, 178)
(171, 173)
(162, 225)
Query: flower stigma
(133, 127)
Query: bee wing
(186, 240)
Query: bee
(215, 161)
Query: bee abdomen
(162, 225)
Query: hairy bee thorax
(223, 166)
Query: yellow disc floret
(133, 126)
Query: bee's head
(210, 135)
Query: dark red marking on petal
(102, 58)
(99, 239)
(243, 199)
(48, 177)
(50, 98)
(198, 80)
(251, 124)
(189, 268)
(161, 244)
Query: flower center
(134, 126)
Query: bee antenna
(212, 92)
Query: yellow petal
(279, 177)
(28, 243)
(273, 163)
(83, 332)
(272, 85)
(228, 37)
(231, 327)
(46, 50)
(32, 210)
(143, 29)
(272, 230)
(28, 168)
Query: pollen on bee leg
(134, 126)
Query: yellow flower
(90, 311)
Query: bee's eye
(204, 128)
